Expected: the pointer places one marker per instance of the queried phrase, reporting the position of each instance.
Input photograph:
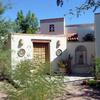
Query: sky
(44, 9)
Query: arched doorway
(81, 55)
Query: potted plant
(62, 66)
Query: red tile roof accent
(72, 37)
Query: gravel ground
(3, 96)
(74, 91)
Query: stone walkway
(76, 91)
(74, 78)
(72, 90)
(3, 96)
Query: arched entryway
(81, 55)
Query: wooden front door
(41, 51)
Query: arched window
(81, 55)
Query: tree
(88, 4)
(28, 23)
(4, 7)
(89, 37)
(5, 25)
(4, 31)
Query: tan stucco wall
(90, 46)
(82, 69)
(28, 46)
(59, 28)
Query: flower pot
(62, 70)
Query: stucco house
(82, 50)
(39, 46)
(56, 41)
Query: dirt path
(73, 91)
(3, 96)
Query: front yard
(76, 91)
(72, 90)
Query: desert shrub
(98, 68)
(96, 81)
(92, 82)
(34, 82)
(5, 62)
(33, 79)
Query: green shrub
(98, 84)
(98, 68)
(5, 62)
(92, 82)
(34, 82)
(34, 79)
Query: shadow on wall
(62, 63)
